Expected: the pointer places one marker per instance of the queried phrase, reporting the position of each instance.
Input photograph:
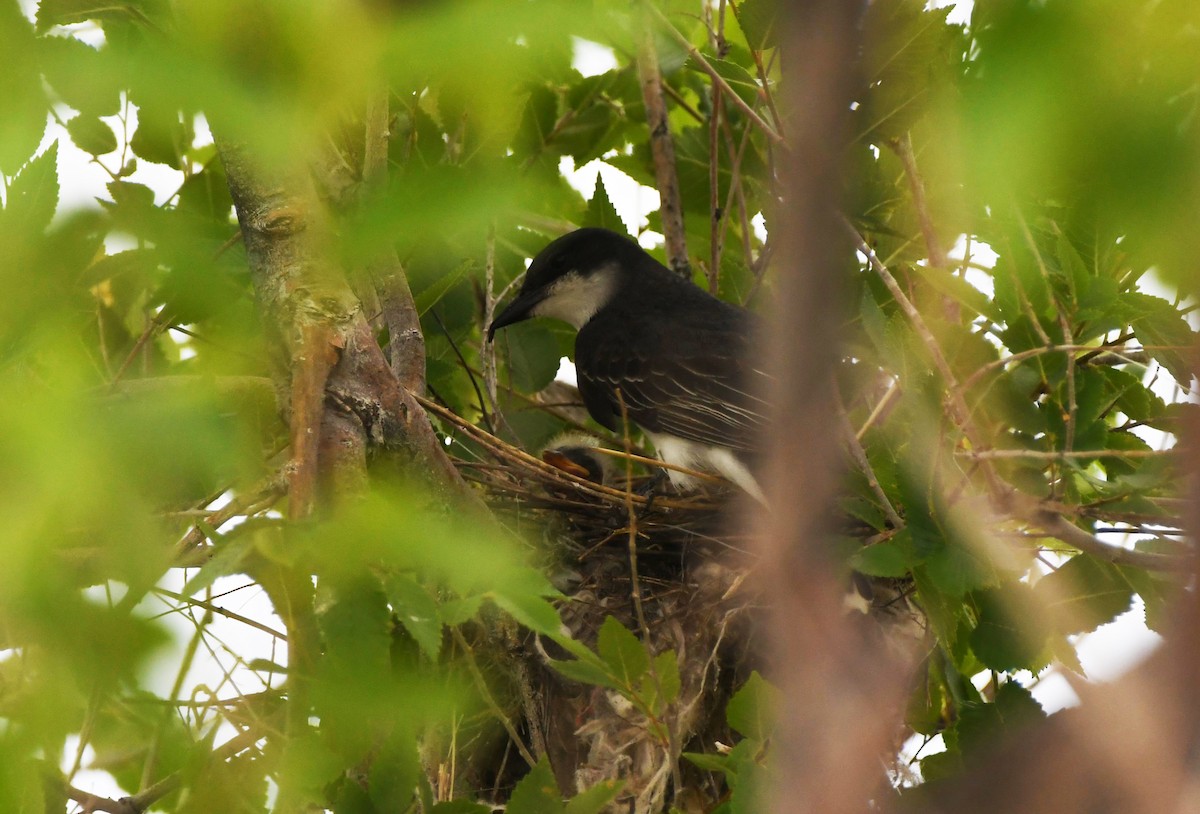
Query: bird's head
(572, 278)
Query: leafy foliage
(153, 601)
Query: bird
(678, 360)
(576, 453)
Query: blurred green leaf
(92, 135)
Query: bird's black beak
(517, 311)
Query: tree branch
(662, 148)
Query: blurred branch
(842, 694)
(662, 148)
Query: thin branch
(958, 407)
(486, 695)
(717, 79)
(662, 148)
(1058, 455)
(1055, 525)
(864, 464)
(933, 246)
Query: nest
(671, 568)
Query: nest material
(688, 597)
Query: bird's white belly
(703, 457)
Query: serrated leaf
(1085, 593)
(1160, 326)
(23, 103)
(980, 726)
(601, 212)
(81, 75)
(1007, 637)
(623, 652)
(537, 792)
(417, 612)
(92, 135)
(759, 20)
(33, 194)
(752, 709)
(594, 800)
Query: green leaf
(460, 807)
(981, 726)
(533, 356)
(752, 709)
(92, 135)
(65, 12)
(84, 77)
(595, 799)
(666, 666)
(537, 793)
(162, 136)
(23, 103)
(432, 294)
(1161, 325)
(586, 672)
(458, 611)
(1006, 637)
(532, 611)
(601, 212)
(623, 652)
(711, 763)
(737, 77)
(759, 20)
(33, 195)
(891, 558)
(1085, 593)
(417, 611)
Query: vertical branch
(311, 364)
(662, 148)
(715, 213)
(406, 342)
(715, 210)
(842, 696)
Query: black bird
(679, 356)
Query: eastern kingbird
(678, 356)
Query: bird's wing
(696, 382)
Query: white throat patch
(575, 298)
